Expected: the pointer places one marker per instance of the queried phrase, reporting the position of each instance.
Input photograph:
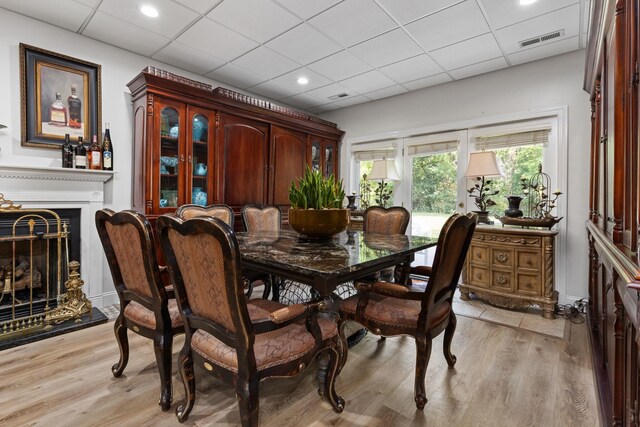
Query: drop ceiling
(366, 49)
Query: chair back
(222, 211)
(204, 262)
(393, 220)
(451, 251)
(261, 218)
(127, 241)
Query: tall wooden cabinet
(197, 144)
(611, 77)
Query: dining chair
(146, 306)
(239, 341)
(222, 211)
(263, 218)
(423, 310)
(393, 220)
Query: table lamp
(384, 169)
(483, 164)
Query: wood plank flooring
(504, 377)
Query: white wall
(535, 86)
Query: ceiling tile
(333, 89)
(90, 3)
(411, 69)
(117, 32)
(352, 101)
(304, 44)
(391, 47)
(200, 6)
(187, 58)
(273, 90)
(340, 66)
(259, 20)
(567, 19)
(544, 51)
(172, 19)
(205, 35)
(353, 21)
(480, 68)
(452, 25)
(266, 62)
(325, 108)
(427, 81)
(386, 92)
(305, 9)
(367, 82)
(315, 79)
(410, 10)
(236, 76)
(303, 101)
(477, 49)
(64, 13)
(507, 12)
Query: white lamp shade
(384, 169)
(483, 163)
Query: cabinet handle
(527, 260)
(182, 157)
(190, 161)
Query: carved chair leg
(268, 284)
(162, 346)
(120, 330)
(336, 401)
(448, 337)
(185, 366)
(423, 353)
(248, 402)
(344, 346)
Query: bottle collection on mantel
(97, 156)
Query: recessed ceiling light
(302, 80)
(150, 11)
(527, 2)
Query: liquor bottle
(67, 152)
(95, 154)
(107, 149)
(75, 109)
(81, 155)
(57, 112)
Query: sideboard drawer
(529, 284)
(502, 257)
(479, 254)
(502, 280)
(527, 259)
(479, 276)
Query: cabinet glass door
(329, 158)
(199, 156)
(316, 150)
(169, 157)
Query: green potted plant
(316, 205)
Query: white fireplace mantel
(61, 188)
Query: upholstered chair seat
(143, 316)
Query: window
(363, 156)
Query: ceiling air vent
(338, 96)
(543, 38)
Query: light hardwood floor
(504, 377)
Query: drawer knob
(501, 280)
(502, 257)
(527, 260)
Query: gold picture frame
(59, 95)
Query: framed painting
(59, 95)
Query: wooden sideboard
(511, 267)
(196, 144)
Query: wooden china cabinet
(611, 77)
(197, 144)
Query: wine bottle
(67, 152)
(57, 112)
(107, 149)
(81, 155)
(95, 154)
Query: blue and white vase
(198, 196)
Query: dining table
(324, 264)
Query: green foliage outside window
(434, 183)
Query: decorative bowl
(319, 224)
(546, 222)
